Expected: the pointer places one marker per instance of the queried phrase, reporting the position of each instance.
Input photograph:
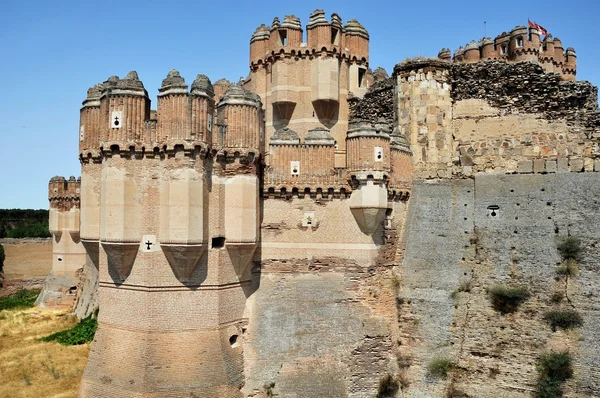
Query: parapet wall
(496, 117)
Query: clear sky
(52, 51)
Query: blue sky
(52, 51)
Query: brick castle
(244, 239)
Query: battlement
(285, 39)
(520, 44)
(60, 188)
(116, 116)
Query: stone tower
(68, 255)
(168, 219)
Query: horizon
(57, 51)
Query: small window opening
(60, 259)
(503, 49)
(335, 37)
(520, 42)
(233, 340)
(283, 37)
(361, 77)
(218, 242)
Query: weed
(268, 387)
(388, 386)
(506, 299)
(21, 299)
(440, 367)
(395, 282)
(557, 297)
(26, 378)
(554, 368)
(563, 319)
(567, 268)
(81, 333)
(570, 248)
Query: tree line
(23, 223)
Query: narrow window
(361, 77)
(335, 39)
(503, 49)
(520, 42)
(283, 37)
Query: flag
(538, 27)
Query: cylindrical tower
(445, 54)
(547, 56)
(471, 53)
(202, 101)
(68, 255)
(173, 109)
(259, 44)
(318, 31)
(368, 158)
(570, 66)
(89, 122)
(290, 32)
(240, 124)
(488, 51)
(356, 39)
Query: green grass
(440, 367)
(563, 319)
(554, 368)
(506, 299)
(21, 299)
(81, 333)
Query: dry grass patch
(32, 368)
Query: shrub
(507, 299)
(569, 248)
(554, 368)
(440, 367)
(39, 230)
(81, 333)
(557, 297)
(21, 299)
(388, 386)
(563, 319)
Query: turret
(471, 53)
(570, 66)
(172, 109)
(202, 100)
(524, 46)
(89, 140)
(68, 255)
(559, 53)
(547, 56)
(502, 43)
(401, 169)
(356, 39)
(318, 31)
(290, 32)
(368, 159)
(240, 122)
(488, 51)
(445, 54)
(259, 44)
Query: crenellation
(520, 44)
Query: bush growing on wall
(569, 248)
(554, 369)
(507, 299)
(563, 319)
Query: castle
(283, 235)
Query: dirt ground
(27, 258)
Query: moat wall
(452, 239)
